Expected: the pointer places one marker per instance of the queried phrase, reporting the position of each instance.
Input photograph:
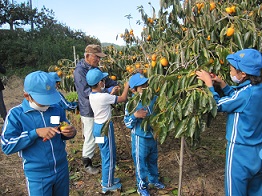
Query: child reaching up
(242, 103)
(101, 106)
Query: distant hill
(104, 44)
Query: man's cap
(95, 49)
(137, 79)
(247, 60)
(55, 76)
(41, 87)
(94, 76)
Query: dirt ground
(203, 167)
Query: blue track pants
(108, 154)
(243, 172)
(55, 185)
(145, 155)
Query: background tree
(15, 15)
(28, 50)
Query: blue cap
(94, 76)
(55, 76)
(42, 88)
(247, 60)
(137, 79)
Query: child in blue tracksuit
(243, 169)
(69, 106)
(101, 105)
(31, 129)
(144, 146)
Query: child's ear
(243, 74)
(26, 95)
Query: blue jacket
(19, 135)
(82, 88)
(243, 105)
(134, 123)
(69, 106)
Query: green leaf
(163, 134)
(170, 91)
(191, 127)
(238, 40)
(204, 50)
(178, 110)
(203, 100)
(182, 84)
(146, 96)
(129, 191)
(163, 89)
(200, 82)
(246, 37)
(192, 80)
(175, 192)
(222, 33)
(170, 77)
(197, 46)
(176, 85)
(162, 102)
(105, 128)
(145, 123)
(132, 104)
(255, 39)
(188, 106)
(213, 106)
(180, 129)
(202, 125)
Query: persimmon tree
(178, 40)
(188, 36)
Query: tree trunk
(11, 24)
(181, 165)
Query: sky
(103, 19)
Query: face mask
(103, 88)
(234, 79)
(36, 107)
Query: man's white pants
(89, 140)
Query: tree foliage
(15, 14)
(190, 35)
(41, 47)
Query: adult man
(2, 103)
(91, 59)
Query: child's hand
(68, 131)
(141, 113)
(219, 81)
(115, 90)
(47, 132)
(205, 77)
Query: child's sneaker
(143, 192)
(158, 185)
(115, 187)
